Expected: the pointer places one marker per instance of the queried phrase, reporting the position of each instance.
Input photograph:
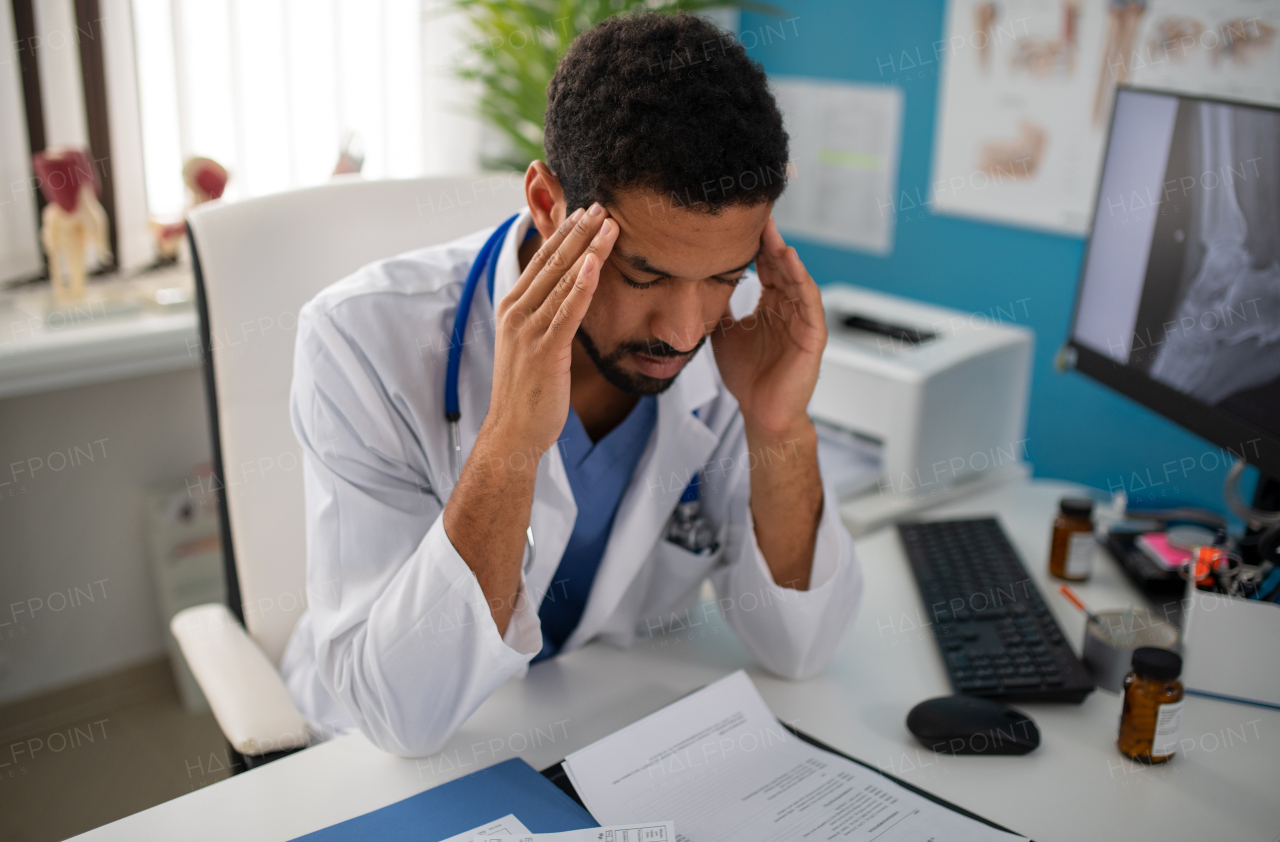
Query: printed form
(720, 766)
(511, 829)
(507, 829)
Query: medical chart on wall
(1028, 86)
(844, 141)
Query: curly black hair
(668, 103)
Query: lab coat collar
(679, 445)
(507, 271)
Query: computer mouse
(970, 725)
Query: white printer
(940, 394)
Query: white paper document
(506, 829)
(721, 767)
(511, 829)
(639, 832)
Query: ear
(545, 198)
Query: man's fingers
(779, 265)
(561, 261)
(771, 239)
(574, 307)
(543, 253)
(600, 246)
(770, 263)
(801, 293)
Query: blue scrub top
(599, 474)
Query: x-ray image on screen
(1182, 281)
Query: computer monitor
(1178, 305)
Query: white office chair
(256, 263)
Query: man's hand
(769, 361)
(488, 511)
(536, 323)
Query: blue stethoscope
(485, 260)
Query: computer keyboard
(998, 639)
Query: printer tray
(557, 775)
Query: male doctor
(590, 403)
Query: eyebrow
(642, 264)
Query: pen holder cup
(1111, 636)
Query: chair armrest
(245, 692)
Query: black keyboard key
(1021, 682)
(975, 684)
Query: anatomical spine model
(72, 217)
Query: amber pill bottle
(1152, 706)
(1073, 545)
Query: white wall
(81, 526)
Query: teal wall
(1077, 429)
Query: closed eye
(638, 284)
(733, 282)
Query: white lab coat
(398, 639)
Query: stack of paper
(722, 767)
(510, 829)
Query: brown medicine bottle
(1073, 545)
(1152, 706)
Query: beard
(633, 383)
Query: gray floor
(88, 755)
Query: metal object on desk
(1111, 636)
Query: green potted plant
(515, 47)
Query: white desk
(1075, 786)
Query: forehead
(686, 243)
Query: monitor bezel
(1217, 426)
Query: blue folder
(511, 786)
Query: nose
(678, 319)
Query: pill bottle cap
(1157, 663)
(1076, 506)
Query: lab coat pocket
(678, 573)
